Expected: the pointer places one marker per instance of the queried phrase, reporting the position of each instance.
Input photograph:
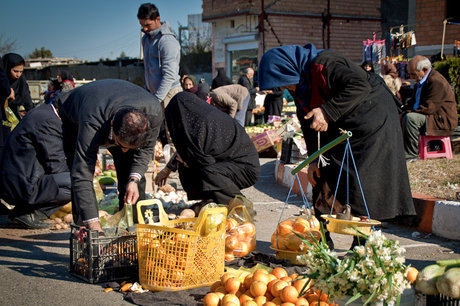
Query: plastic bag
(240, 231)
(242, 201)
(285, 238)
(11, 119)
(122, 219)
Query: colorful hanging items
(374, 50)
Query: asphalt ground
(34, 264)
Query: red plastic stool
(423, 146)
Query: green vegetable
(448, 262)
(426, 280)
(106, 180)
(113, 173)
(448, 284)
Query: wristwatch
(133, 180)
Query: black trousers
(54, 203)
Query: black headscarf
(65, 75)
(20, 87)
(4, 93)
(203, 135)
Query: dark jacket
(5, 91)
(34, 148)
(20, 86)
(273, 103)
(244, 80)
(437, 102)
(221, 79)
(87, 112)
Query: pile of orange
(264, 288)
(285, 238)
(240, 239)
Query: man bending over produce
(120, 116)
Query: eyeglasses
(113, 140)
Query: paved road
(34, 263)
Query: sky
(84, 29)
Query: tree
(7, 45)
(196, 52)
(42, 53)
(122, 55)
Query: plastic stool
(423, 146)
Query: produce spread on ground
(208, 257)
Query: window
(240, 60)
(453, 10)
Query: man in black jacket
(120, 116)
(247, 81)
(34, 176)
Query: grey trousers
(241, 114)
(412, 125)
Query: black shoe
(40, 216)
(362, 241)
(29, 221)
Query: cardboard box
(265, 140)
(292, 126)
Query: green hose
(327, 147)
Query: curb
(434, 215)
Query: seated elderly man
(432, 110)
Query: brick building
(239, 38)
(239, 41)
(429, 26)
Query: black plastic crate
(441, 300)
(104, 259)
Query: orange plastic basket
(184, 253)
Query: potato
(67, 208)
(167, 188)
(187, 213)
(68, 218)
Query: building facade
(242, 30)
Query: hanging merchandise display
(374, 50)
(402, 40)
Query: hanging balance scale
(340, 223)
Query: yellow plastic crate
(180, 254)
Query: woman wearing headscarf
(215, 157)
(331, 93)
(5, 93)
(65, 79)
(190, 84)
(201, 90)
(14, 67)
(391, 78)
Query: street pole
(443, 36)
(141, 56)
